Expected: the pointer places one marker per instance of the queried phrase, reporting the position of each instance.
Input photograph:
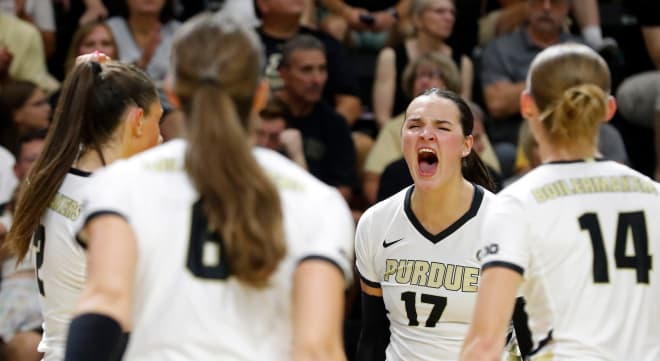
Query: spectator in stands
(22, 53)
(433, 21)
(328, 146)
(280, 21)
(504, 67)
(274, 133)
(20, 315)
(144, 33)
(369, 22)
(90, 37)
(40, 14)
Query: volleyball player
(106, 112)
(206, 248)
(416, 251)
(578, 235)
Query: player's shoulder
(388, 207)
(290, 178)
(167, 157)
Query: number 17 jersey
(429, 282)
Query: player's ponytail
(570, 85)
(241, 204)
(216, 87)
(578, 112)
(90, 108)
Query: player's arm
(318, 306)
(104, 308)
(374, 336)
(492, 314)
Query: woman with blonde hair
(244, 267)
(577, 235)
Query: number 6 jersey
(429, 282)
(585, 236)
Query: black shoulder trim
(542, 343)
(369, 282)
(477, 199)
(582, 160)
(511, 266)
(80, 173)
(96, 214)
(322, 258)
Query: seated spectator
(638, 99)
(280, 22)
(327, 142)
(504, 65)
(22, 54)
(370, 23)
(144, 33)
(274, 133)
(20, 314)
(433, 21)
(90, 37)
(38, 13)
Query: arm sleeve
(375, 333)
(505, 236)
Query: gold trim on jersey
(573, 186)
(65, 206)
(432, 274)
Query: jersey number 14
(630, 225)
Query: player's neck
(438, 209)
(90, 160)
(568, 152)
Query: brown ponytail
(216, 88)
(90, 108)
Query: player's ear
(528, 108)
(611, 108)
(134, 121)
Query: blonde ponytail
(578, 112)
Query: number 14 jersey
(429, 282)
(586, 237)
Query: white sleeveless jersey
(61, 263)
(429, 282)
(187, 305)
(586, 238)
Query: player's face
(99, 39)
(149, 129)
(433, 141)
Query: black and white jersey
(186, 303)
(61, 263)
(585, 236)
(429, 282)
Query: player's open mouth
(427, 162)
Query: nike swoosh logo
(386, 244)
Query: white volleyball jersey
(61, 263)
(429, 282)
(586, 238)
(187, 305)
